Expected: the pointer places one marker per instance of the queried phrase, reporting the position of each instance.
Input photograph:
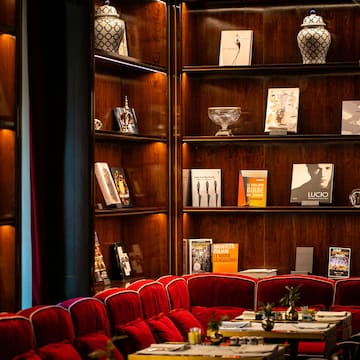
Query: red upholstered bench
(220, 294)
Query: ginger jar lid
(106, 10)
(313, 20)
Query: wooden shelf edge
(130, 211)
(104, 57)
(115, 136)
(7, 220)
(272, 209)
(270, 138)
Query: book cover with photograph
(121, 268)
(350, 122)
(107, 184)
(225, 257)
(122, 186)
(312, 183)
(206, 187)
(199, 255)
(339, 262)
(282, 109)
(236, 47)
(100, 271)
(252, 188)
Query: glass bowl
(224, 116)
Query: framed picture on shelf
(235, 47)
(350, 122)
(282, 110)
(121, 268)
(122, 186)
(125, 120)
(339, 262)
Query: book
(259, 273)
(282, 109)
(199, 255)
(312, 183)
(235, 47)
(350, 118)
(122, 186)
(252, 188)
(339, 262)
(121, 268)
(225, 257)
(107, 184)
(136, 259)
(100, 271)
(186, 187)
(206, 187)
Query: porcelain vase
(313, 39)
(109, 29)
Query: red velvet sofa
(163, 309)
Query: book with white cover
(259, 273)
(107, 184)
(350, 122)
(282, 109)
(312, 183)
(236, 47)
(206, 187)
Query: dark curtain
(60, 86)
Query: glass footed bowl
(224, 117)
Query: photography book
(225, 257)
(339, 262)
(252, 188)
(235, 47)
(120, 262)
(107, 184)
(197, 255)
(282, 110)
(350, 122)
(122, 186)
(206, 187)
(312, 183)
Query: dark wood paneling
(8, 14)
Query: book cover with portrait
(312, 183)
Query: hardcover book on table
(312, 183)
(122, 186)
(225, 257)
(350, 124)
(198, 255)
(236, 47)
(282, 110)
(206, 187)
(339, 262)
(252, 188)
(107, 184)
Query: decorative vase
(109, 29)
(291, 313)
(267, 324)
(313, 39)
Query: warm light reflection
(7, 233)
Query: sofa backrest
(347, 292)
(177, 291)
(217, 289)
(16, 337)
(153, 297)
(316, 291)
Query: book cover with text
(225, 257)
(252, 188)
(206, 187)
(339, 262)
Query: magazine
(339, 262)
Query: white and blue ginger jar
(109, 29)
(313, 39)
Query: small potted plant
(212, 331)
(290, 299)
(268, 319)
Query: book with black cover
(312, 183)
(120, 262)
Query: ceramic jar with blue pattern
(313, 39)
(109, 29)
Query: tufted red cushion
(29, 355)
(184, 320)
(85, 344)
(139, 333)
(315, 290)
(219, 290)
(347, 292)
(59, 351)
(177, 291)
(204, 314)
(164, 329)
